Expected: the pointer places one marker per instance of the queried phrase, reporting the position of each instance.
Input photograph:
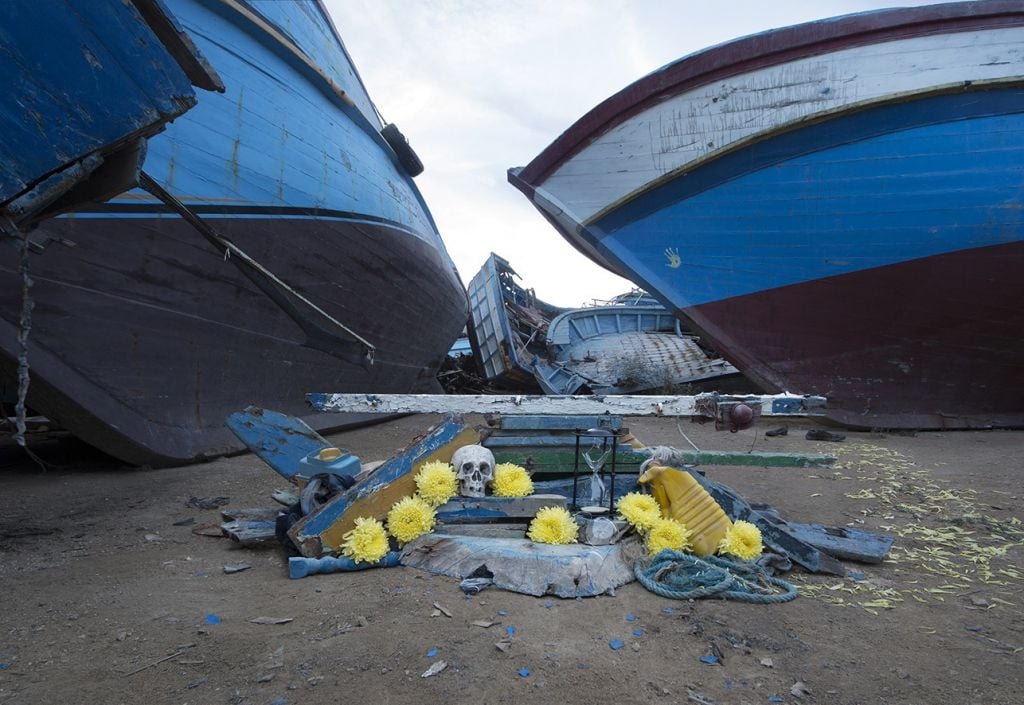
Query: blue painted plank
(280, 441)
(559, 423)
(80, 76)
(323, 531)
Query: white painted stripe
(522, 405)
(703, 122)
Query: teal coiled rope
(683, 576)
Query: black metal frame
(607, 436)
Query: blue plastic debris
(668, 610)
(630, 617)
(549, 604)
(855, 575)
(502, 613)
(616, 644)
(709, 659)
(432, 653)
(524, 672)
(973, 629)
(211, 619)
(4, 666)
(638, 632)
(510, 630)
(776, 699)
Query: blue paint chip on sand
(549, 604)
(709, 659)
(211, 619)
(432, 653)
(524, 672)
(510, 630)
(616, 644)
(668, 610)
(630, 617)
(638, 632)
(776, 699)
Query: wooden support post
(520, 405)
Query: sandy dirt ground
(108, 600)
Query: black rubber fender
(403, 150)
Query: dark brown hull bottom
(933, 343)
(145, 339)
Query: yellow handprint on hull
(672, 253)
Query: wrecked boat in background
(836, 206)
(145, 336)
(630, 346)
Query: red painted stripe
(929, 343)
(768, 49)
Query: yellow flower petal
(667, 533)
(640, 510)
(436, 482)
(409, 518)
(511, 480)
(742, 540)
(367, 541)
(553, 525)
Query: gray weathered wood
(249, 513)
(523, 566)
(622, 405)
(844, 543)
(559, 423)
(249, 532)
(468, 510)
(515, 530)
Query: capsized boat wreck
(631, 345)
(146, 336)
(836, 206)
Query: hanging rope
(683, 576)
(229, 248)
(25, 327)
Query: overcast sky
(479, 86)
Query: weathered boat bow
(835, 206)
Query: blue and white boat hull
(836, 206)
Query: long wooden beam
(521, 404)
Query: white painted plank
(703, 122)
(520, 405)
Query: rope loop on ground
(684, 576)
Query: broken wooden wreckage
(485, 536)
(629, 345)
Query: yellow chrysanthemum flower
(511, 480)
(436, 482)
(367, 542)
(640, 510)
(409, 518)
(553, 525)
(667, 533)
(742, 540)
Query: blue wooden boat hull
(145, 339)
(873, 260)
(88, 80)
(835, 206)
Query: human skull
(474, 466)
